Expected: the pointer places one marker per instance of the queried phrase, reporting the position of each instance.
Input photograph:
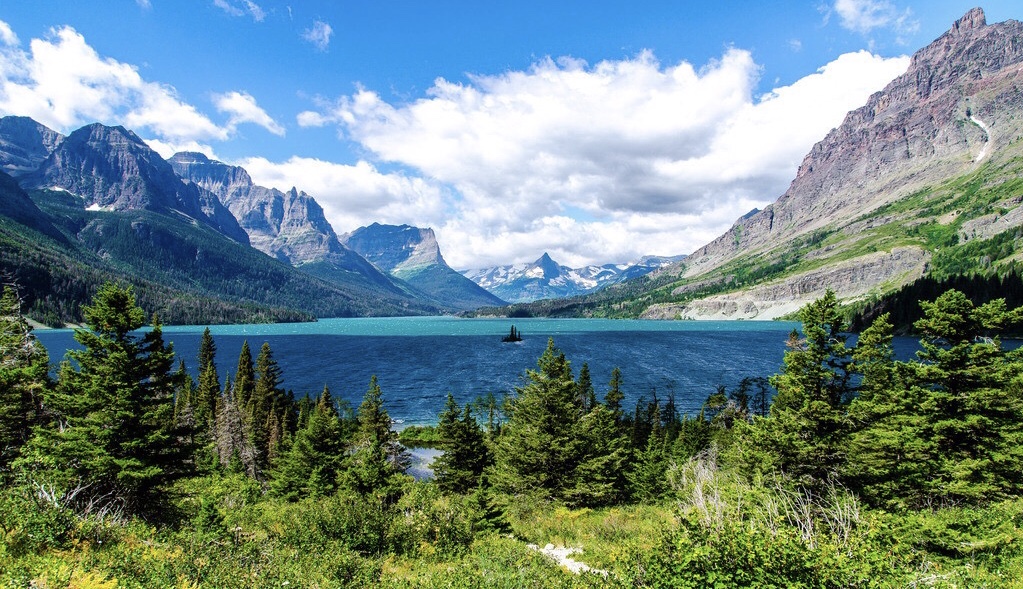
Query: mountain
(112, 169)
(546, 279)
(103, 206)
(923, 180)
(413, 255)
(289, 226)
(24, 144)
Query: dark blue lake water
(418, 360)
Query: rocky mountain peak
(25, 144)
(955, 106)
(973, 19)
(548, 267)
(396, 248)
(290, 226)
(112, 169)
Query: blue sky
(596, 131)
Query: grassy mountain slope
(184, 271)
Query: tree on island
(514, 335)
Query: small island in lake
(513, 336)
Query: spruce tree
(538, 449)
(208, 386)
(805, 434)
(24, 377)
(378, 456)
(614, 396)
(466, 455)
(111, 415)
(314, 462)
(586, 398)
(953, 420)
(600, 478)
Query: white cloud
(356, 195)
(242, 108)
(168, 148)
(64, 83)
(319, 35)
(241, 8)
(145, 4)
(864, 16)
(7, 36)
(626, 157)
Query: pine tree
(111, 428)
(24, 377)
(600, 478)
(538, 451)
(805, 434)
(315, 460)
(466, 455)
(378, 455)
(586, 398)
(208, 386)
(614, 396)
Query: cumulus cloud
(241, 8)
(356, 195)
(864, 16)
(242, 108)
(64, 83)
(168, 148)
(7, 36)
(628, 157)
(319, 35)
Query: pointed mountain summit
(547, 279)
(289, 226)
(24, 144)
(112, 169)
(922, 171)
(413, 255)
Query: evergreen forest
(847, 468)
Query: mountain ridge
(546, 279)
(413, 255)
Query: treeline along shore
(847, 468)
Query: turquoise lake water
(418, 360)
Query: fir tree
(111, 426)
(314, 462)
(24, 368)
(460, 467)
(378, 455)
(600, 478)
(586, 398)
(805, 433)
(648, 475)
(949, 427)
(614, 396)
(538, 451)
(208, 386)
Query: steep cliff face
(112, 169)
(956, 105)
(24, 144)
(289, 225)
(413, 255)
(957, 110)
